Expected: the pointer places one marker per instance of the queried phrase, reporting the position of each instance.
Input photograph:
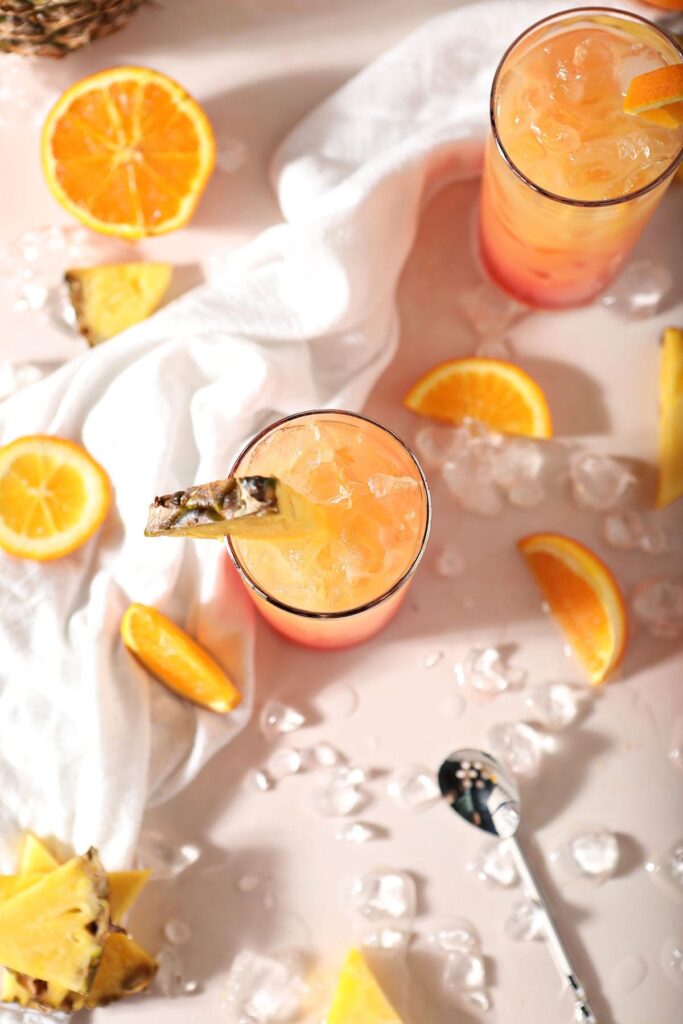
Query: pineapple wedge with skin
(108, 299)
(124, 888)
(55, 930)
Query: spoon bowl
(482, 791)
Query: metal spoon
(483, 792)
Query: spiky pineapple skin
(54, 28)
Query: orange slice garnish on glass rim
(53, 496)
(170, 654)
(128, 152)
(584, 599)
(491, 391)
(657, 96)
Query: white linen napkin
(302, 317)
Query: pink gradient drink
(341, 583)
(570, 180)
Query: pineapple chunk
(35, 856)
(10, 885)
(55, 929)
(359, 999)
(108, 299)
(124, 889)
(125, 969)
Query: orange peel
(657, 96)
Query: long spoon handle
(558, 950)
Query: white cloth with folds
(302, 317)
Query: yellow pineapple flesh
(55, 930)
(110, 298)
(35, 856)
(124, 970)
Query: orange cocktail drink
(570, 179)
(340, 583)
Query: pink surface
(259, 65)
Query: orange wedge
(670, 484)
(177, 660)
(496, 393)
(657, 96)
(128, 152)
(584, 598)
(53, 496)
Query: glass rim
(251, 583)
(566, 200)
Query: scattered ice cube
(191, 987)
(32, 296)
(357, 832)
(518, 745)
(455, 936)
(598, 481)
(595, 853)
(671, 961)
(517, 459)
(450, 562)
(495, 348)
(349, 775)
(478, 999)
(283, 762)
(177, 932)
(526, 493)
(435, 444)
(464, 971)
(489, 310)
(277, 718)
(338, 796)
(469, 478)
(493, 863)
(381, 895)
(413, 788)
(325, 755)
(170, 976)
(630, 530)
(259, 780)
(525, 922)
(15, 376)
(556, 705)
(248, 883)
(432, 659)
(484, 670)
(264, 989)
(231, 154)
(386, 938)
(658, 605)
(669, 867)
(336, 701)
(25, 92)
(164, 858)
(675, 752)
(640, 290)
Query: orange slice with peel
(177, 660)
(584, 599)
(128, 152)
(670, 483)
(53, 496)
(496, 393)
(657, 96)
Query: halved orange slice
(657, 96)
(584, 599)
(177, 660)
(496, 393)
(53, 496)
(670, 484)
(128, 152)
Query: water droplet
(277, 718)
(357, 832)
(671, 961)
(518, 745)
(525, 922)
(556, 705)
(259, 780)
(668, 868)
(164, 857)
(639, 291)
(658, 605)
(675, 752)
(177, 932)
(450, 563)
(598, 481)
(191, 987)
(627, 974)
(493, 863)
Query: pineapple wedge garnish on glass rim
(246, 507)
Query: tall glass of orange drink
(570, 180)
(339, 584)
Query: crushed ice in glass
(277, 718)
(598, 481)
(464, 971)
(556, 705)
(177, 932)
(525, 922)
(640, 290)
(357, 832)
(450, 562)
(595, 853)
(264, 989)
(455, 936)
(164, 858)
(485, 670)
(658, 605)
(671, 961)
(231, 154)
(413, 788)
(170, 976)
(283, 762)
(493, 863)
(630, 531)
(382, 484)
(381, 895)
